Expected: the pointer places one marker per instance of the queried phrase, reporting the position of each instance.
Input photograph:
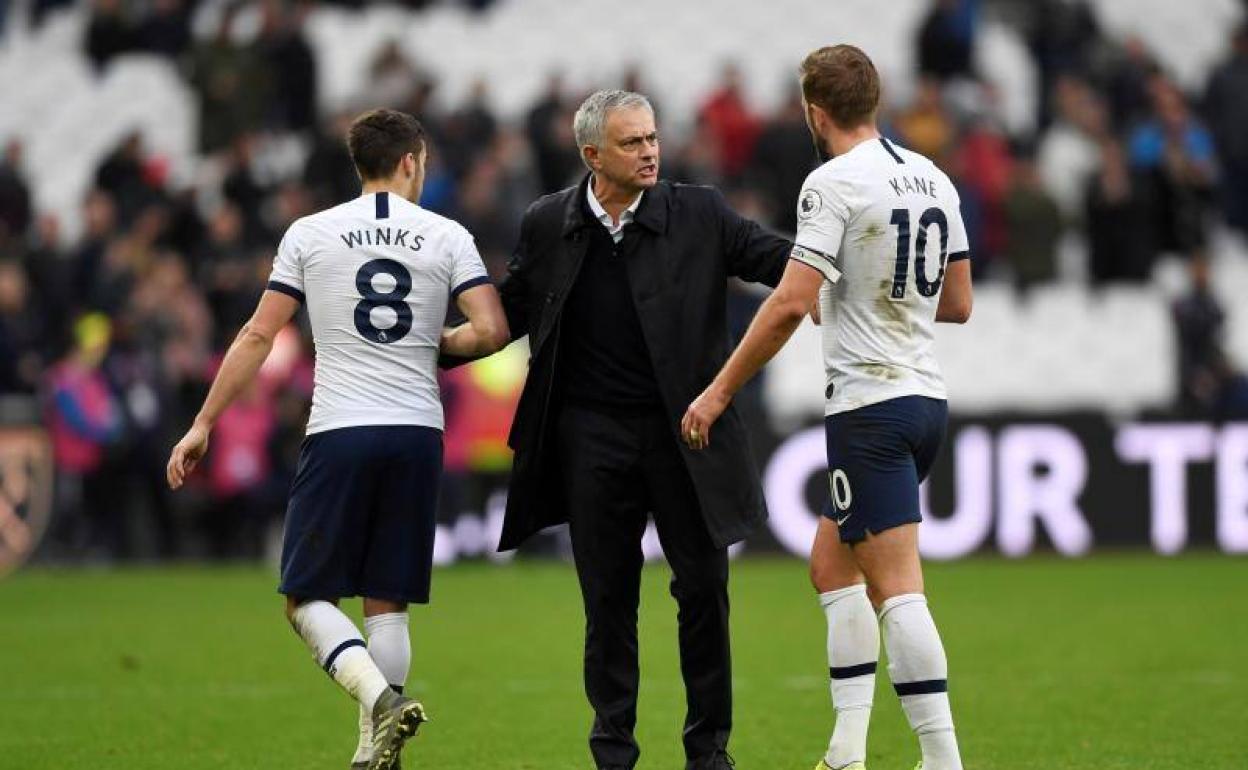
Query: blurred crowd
(112, 340)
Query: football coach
(620, 284)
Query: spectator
(632, 80)
(126, 175)
(239, 470)
(84, 422)
(987, 164)
(973, 215)
(87, 261)
(175, 320)
(15, 210)
(694, 160)
(1063, 38)
(50, 274)
(109, 32)
(166, 30)
(225, 78)
(549, 130)
(1173, 154)
(1131, 71)
(329, 173)
(125, 259)
(1033, 223)
(22, 334)
(225, 267)
(783, 156)
(1227, 109)
(288, 65)
(730, 123)
(466, 130)
(1069, 150)
(185, 229)
(240, 187)
(135, 375)
(1120, 232)
(392, 79)
(946, 39)
(480, 212)
(1199, 322)
(925, 126)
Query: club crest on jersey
(809, 204)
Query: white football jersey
(881, 223)
(376, 274)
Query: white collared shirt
(626, 216)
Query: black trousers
(616, 470)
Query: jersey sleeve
(467, 269)
(287, 274)
(822, 216)
(958, 245)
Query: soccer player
(881, 245)
(376, 274)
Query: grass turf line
(1118, 661)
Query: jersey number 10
(395, 299)
(901, 218)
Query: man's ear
(816, 117)
(590, 154)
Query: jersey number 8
(901, 218)
(393, 299)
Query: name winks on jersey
(382, 236)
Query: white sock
(853, 652)
(338, 647)
(917, 666)
(391, 649)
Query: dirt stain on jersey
(873, 232)
(891, 313)
(882, 372)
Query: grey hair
(590, 123)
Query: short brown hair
(379, 139)
(842, 81)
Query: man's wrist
(720, 391)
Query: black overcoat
(690, 243)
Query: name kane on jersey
(880, 223)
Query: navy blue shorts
(877, 457)
(361, 515)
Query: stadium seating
(1062, 347)
(69, 117)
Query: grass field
(1114, 662)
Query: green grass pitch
(1120, 661)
